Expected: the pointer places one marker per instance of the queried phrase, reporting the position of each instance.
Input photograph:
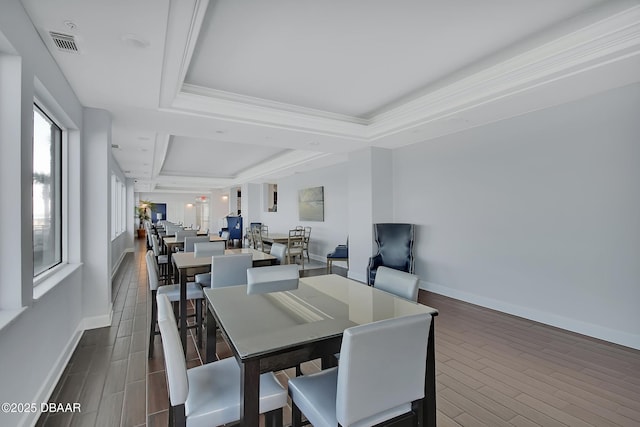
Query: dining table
(272, 238)
(184, 261)
(279, 330)
(170, 243)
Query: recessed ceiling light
(136, 41)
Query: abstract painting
(311, 204)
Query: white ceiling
(211, 94)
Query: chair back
(152, 271)
(395, 245)
(155, 245)
(279, 251)
(275, 278)
(180, 235)
(207, 249)
(296, 241)
(397, 282)
(367, 391)
(175, 364)
(172, 229)
(190, 241)
(149, 234)
(230, 270)
(257, 238)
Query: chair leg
(199, 321)
(273, 418)
(152, 328)
(296, 415)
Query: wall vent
(64, 42)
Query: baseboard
(573, 325)
(30, 419)
(95, 322)
(117, 266)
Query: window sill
(44, 285)
(52, 280)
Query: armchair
(395, 249)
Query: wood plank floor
(493, 369)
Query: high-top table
(186, 260)
(170, 243)
(279, 330)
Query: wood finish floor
(493, 369)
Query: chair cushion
(194, 291)
(203, 280)
(315, 396)
(339, 252)
(214, 393)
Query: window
(118, 207)
(47, 193)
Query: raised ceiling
(212, 94)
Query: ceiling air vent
(64, 42)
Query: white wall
(38, 329)
(538, 215)
(324, 235)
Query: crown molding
(268, 104)
(184, 23)
(269, 167)
(608, 40)
(243, 109)
(594, 44)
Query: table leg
(250, 392)
(210, 354)
(170, 263)
(429, 408)
(183, 309)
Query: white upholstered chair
(209, 395)
(207, 249)
(279, 251)
(190, 241)
(194, 292)
(181, 235)
(275, 278)
(374, 383)
(161, 260)
(230, 270)
(397, 282)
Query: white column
(370, 201)
(96, 214)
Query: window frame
(63, 171)
(118, 207)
